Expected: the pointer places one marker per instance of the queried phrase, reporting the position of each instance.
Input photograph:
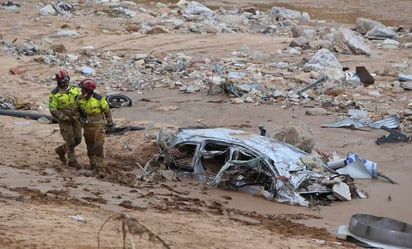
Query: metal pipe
(317, 81)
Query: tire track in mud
(164, 199)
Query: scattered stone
(301, 139)
(15, 71)
(389, 43)
(64, 33)
(235, 74)
(325, 62)
(280, 13)
(132, 27)
(301, 42)
(342, 192)
(363, 25)
(47, 10)
(350, 42)
(380, 32)
(316, 111)
(407, 85)
(58, 48)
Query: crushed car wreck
(260, 165)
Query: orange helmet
(62, 77)
(88, 84)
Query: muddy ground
(45, 204)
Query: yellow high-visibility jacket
(95, 109)
(62, 103)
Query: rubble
(240, 70)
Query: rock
(302, 30)
(301, 42)
(64, 33)
(374, 93)
(156, 30)
(232, 19)
(350, 42)
(380, 32)
(59, 48)
(364, 76)
(325, 62)
(168, 175)
(297, 31)
(258, 55)
(195, 8)
(397, 89)
(237, 100)
(400, 66)
(389, 43)
(405, 77)
(132, 27)
(280, 13)
(316, 111)
(407, 38)
(407, 85)
(15, 71)
(363, 25)
(342, 192)
(47, 10)
(407, 45)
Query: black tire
(118, 100)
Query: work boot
(92, 165)
(100, 172)
(60, 151)
(74, 164)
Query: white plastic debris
(78, 218)
(86, 70)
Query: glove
(67, 119)
(83, 121)
(109, 128)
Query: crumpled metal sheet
(389, 122)
(290, 174)
(377, 232)
(286, 157)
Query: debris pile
(247, 76)
(255, 164)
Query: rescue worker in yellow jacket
(95, 117)
(62, 105)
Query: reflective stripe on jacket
(95, 108)
(63, 102)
